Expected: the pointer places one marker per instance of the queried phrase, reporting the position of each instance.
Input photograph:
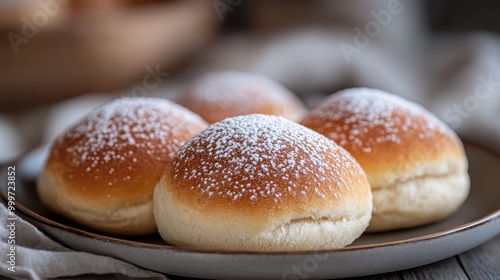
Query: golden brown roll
(260, 182)
(220, 95)
(102, 171)
(416, 165)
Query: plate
(477, 221)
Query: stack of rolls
(362, 160)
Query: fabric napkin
(39, 257)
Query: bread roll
(416, 165)
(260, 182)
(220, 95)
(102, 171)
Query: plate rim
(117, 240)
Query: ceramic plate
(477, 221)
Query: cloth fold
(39, 257)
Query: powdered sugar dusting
(216, 96)
(259, 156)
(363, 110)
(235, 89)
(125, 129)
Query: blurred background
(59, 59)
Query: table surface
(480, 263)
